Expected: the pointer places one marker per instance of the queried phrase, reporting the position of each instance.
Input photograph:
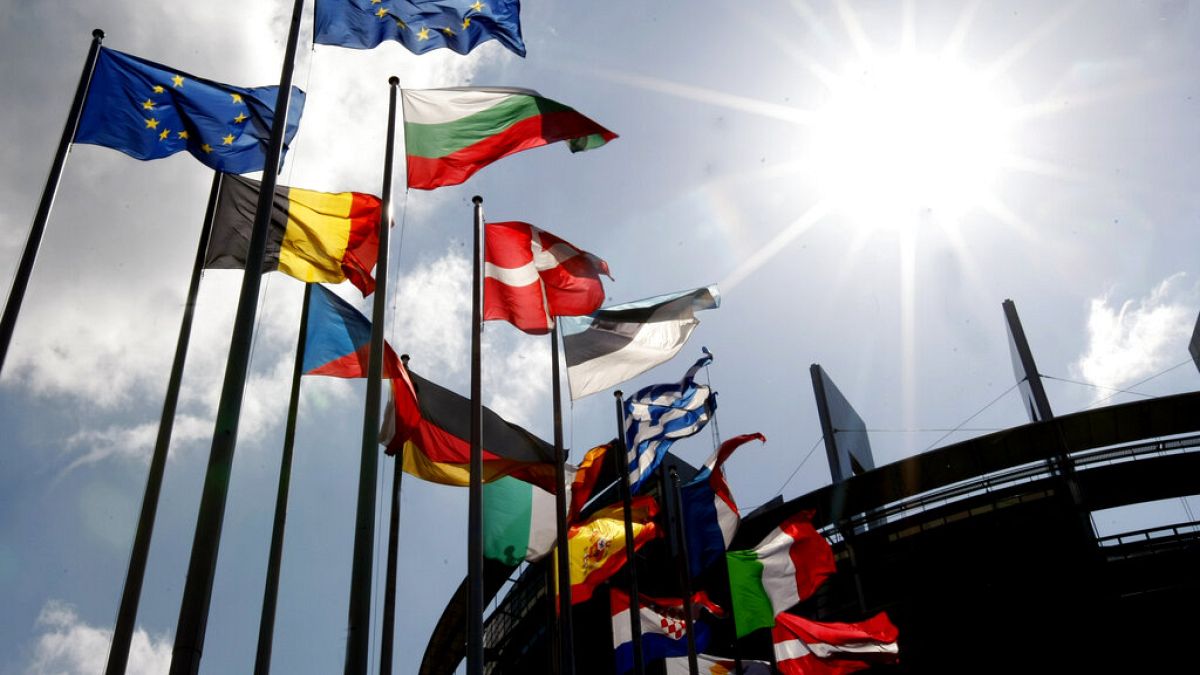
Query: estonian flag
(621, 342)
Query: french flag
(664, 631)
(710, 515)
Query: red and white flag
(532, 276)
(804, 647)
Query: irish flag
(786, 568)
(805, 647)
(449, 134)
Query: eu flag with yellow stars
(419, 25)
(150, 111)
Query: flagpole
(737, 652)
(566, 631)
(683, 562)
(16, 296)
(118, 653)
(202, 566)
(266, 624)
(359, 620)
(387, 635)
(621, 463)
(475, 501)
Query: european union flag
(419, 25)
(150, 111)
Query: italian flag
(805, 647)
(786, 568)
(449, 134)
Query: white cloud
(1140, 337)
(433, 315)
(69, 646)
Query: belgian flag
(314, 236)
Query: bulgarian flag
(786, 568)
(804, 647)
(449, 134)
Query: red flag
(584, 481)
(804, 647)
(532, 276)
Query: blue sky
(867, 181)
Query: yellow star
(399, 23)
(382, 12)
(240, 118)
(376, 2)
(165, 133)
(466, 23)
(206, 147)
(423, 34)
(478, 6)
(448, 31)
(228, 140)
(183, 134)
(237, 98)
(177, 80)
(158, 89)
(148, 104)
(151, 123)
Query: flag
(664, 629)
(419, 25)
(150, 111)
(313, 236)
(532, 276)
(658, 415)
(586, 475)
(787, 567)
(596, 547)
(518, 521)
(432, 424)
(337, 341)
(449, 134)
(623, 341)
(712, 665)
(804, 647)
(710, 516)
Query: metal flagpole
(359, 620)
(202, 567)
(566, 632)
(621, 463)
(118, 652)
(266, 624)
(25, 268)
(475, 505)
(388, 634)
(737, 652)
(684, 564)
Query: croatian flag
(710, 516)
(664, 631)
(658, 415)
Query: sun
(907, 139)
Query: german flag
(314, 236)
(433, 425)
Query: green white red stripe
(518, 521)
(449, 134)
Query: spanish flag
(596, 547)
(314, 236)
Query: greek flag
(658, 415)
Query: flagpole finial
(477, 200)
(98, 34)
(618, 394)
(394, 81)
(404, 359)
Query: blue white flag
(658, 415)
(664, 630)
(617, 343)
(710, 515)
(150, 111)
(419, 25)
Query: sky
(865, 181)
